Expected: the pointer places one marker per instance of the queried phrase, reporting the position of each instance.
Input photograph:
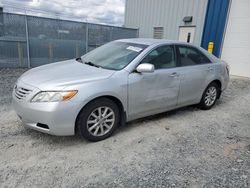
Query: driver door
(150, 93)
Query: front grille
(21, 92)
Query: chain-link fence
(30, 41)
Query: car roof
(150, 41)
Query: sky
(109, 12)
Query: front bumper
(58, 116)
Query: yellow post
(210, 47)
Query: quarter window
(191, 56)
(161, 57)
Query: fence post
(27, 39)
(87, 37)
(111, 34)
(20, 53)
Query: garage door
(236, 48)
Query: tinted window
(161, 57)
(191, 56)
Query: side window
(191, 56)
(161, 57)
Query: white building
(226, 23)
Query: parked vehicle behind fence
(118, 82)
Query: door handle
(174, 74)
(210, 68)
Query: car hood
(63, 74)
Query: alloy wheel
(210, 96)
(100, 121)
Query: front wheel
(209, 97)
(98, 119)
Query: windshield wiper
(91, 64)
(79, 59)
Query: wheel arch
(117, 101)
(219, 84)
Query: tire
(214, 91)
(98, 120)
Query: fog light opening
(44, 126)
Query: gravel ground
(182, 148)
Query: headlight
(53, 96)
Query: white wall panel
(236, 48)
(146, 14)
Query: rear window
(191, 56)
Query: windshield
(114, 55)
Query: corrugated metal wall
(146, 14)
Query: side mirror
(145, 68)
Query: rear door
(195, 70)
(154, 92)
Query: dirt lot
(182, 148)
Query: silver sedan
(116, 83)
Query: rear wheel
(98, 119)
(209, 97)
